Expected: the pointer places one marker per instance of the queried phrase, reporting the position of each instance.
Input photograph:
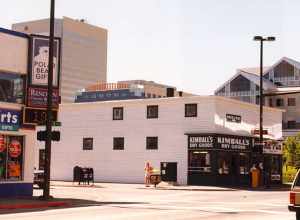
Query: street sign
(37, 116)
(256, 132)
(55, 135)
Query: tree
(291, 151)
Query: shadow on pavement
(64, 203)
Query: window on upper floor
(151, 143)
(11, 88)
(118, 143)
(291, 124)
(279, 102)
(87, 143)
(291, 102)
(152, 111)
(118, 113)
(270, 102)
(191, 110)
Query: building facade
(83, 49)
(202, 139)
(131, 89)
(281, 88)
(17, 141)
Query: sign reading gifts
(220, 141)
(40, 57)
(9, 120)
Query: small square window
(291, 102)
(279, 102)
(118, 113)
(291, 124)
(152, 143)
(87, 144)
(118, 143)
(190, 110)
(152, 111)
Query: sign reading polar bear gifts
(39, 61)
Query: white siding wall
(95, 120)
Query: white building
(16, 140)
(83, 52)
(116, 138)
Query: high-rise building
(83, 49)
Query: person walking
(148, 171)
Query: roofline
(172, 99)
(14, 33)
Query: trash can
(255, 178)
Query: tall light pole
(261, 40)
(46, 191)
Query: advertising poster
(14, 157)
(40, 56)
(37, 97)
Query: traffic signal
(55, 135)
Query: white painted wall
(13, 48)
(95, 120)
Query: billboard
(37, 97)
(39, 61)
(14, 51)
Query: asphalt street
(133, 201)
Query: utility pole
(46, 191)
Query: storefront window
(11, 157)
(244, 164)
(275, 165)
(223, 163)
(11, 88)
(199, 161)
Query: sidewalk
(168, 186)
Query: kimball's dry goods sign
(219, 141)
(40, 56)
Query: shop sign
(37, 116)
(233, 118)
(37, 97)
(233, 143)
(39, 61)
(201, 142)
(9, 120)
(272, 148)
(220, 141)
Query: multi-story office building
(130, 89)
(83, 49)
(281, 86)
(201, 139)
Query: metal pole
(261, 96)
(46, 191)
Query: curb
(34, 205)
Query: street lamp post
(261, 40)
(46, 190)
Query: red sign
(15, 149)
(2, 143)
(256, 132)
(37, 97)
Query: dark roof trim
(283, 93)
(15, 33)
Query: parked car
(39, 178)
(294, 205)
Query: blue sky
(192, 44)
